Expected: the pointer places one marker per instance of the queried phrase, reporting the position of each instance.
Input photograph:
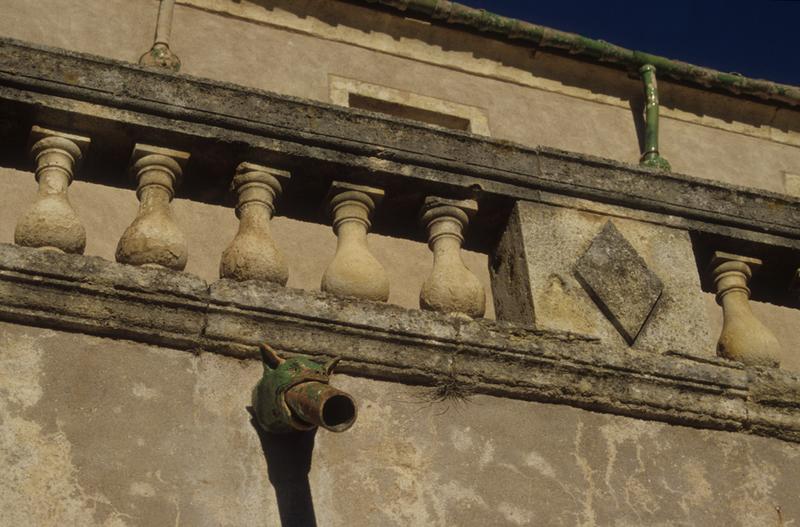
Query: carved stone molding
(252, 255)
(178, 310)
(51, 222)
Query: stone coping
(177, 310)
(115, 101)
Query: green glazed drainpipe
(650, 157)
(160, 56)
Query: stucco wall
(530, 98)
(577, 112)
(108, 432)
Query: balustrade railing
(155, 238)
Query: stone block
(619, 281)
(640, 287)
(791, 184)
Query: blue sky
(757, 38)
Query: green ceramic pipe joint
(650, 157)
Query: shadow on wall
(636, 105)
(288, 458)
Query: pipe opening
(338, 413)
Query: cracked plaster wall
(102, 432)
(109, 433)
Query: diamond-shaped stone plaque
(619, 281)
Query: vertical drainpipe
(650, 157)
(160, 55)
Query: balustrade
(51, 223)
(354, 271)
(744, 338)
(451, 286)
(154, 238)
(252, 255)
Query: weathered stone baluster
(451, 287)
(252, 255)
(154, 239)
(744, 338)
(51, 223)
(354, 271)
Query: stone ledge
(375, 340)
(94, 95)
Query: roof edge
(453, 13)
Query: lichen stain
(39, 484)
(144, 392)
(636, 494)
(413, 489)
(562, 300)
(143, 489)
(221, 395)
(515, 515)
(756, 482)
(461, 439)
(540, 464)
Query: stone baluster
(252, 255)
(451, 287)
(51, 223)
(744, 338)
(354, 271)
(154, 239)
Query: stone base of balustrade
(374, 340)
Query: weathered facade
(537, 327)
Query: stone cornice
(177, 310)
(90, 94)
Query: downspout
(160, 55)
(650, 156)
(295, 395)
